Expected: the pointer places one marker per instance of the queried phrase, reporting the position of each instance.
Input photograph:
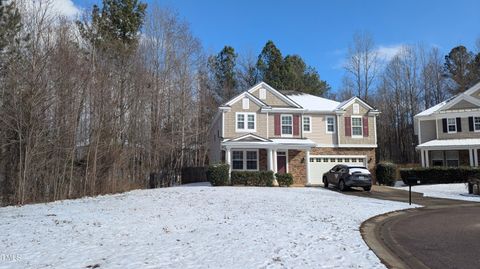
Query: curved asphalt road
(443, 234)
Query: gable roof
(274, 92)
(249, 136)
(352, 100)
(450, 102)
(248, 95)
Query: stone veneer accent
(297, 163)
(297, 166)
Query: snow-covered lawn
(457, 191)
(193, 227)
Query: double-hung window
(330, 125)
(287, 125)
(476, 124)
(357, 128)
(452, 125)
(307, 124)
(244, 160)
(245, 122)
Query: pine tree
(460, 67)
(222, 67)
(270, 66)
(10, 26)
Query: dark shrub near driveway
(284, 179)
(252, 178)
(386, 173)
(217, 174)
(440, 175)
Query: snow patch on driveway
(194, 227)
(456, 191)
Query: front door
(281, 162)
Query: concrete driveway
(442, 234)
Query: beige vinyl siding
(427, 131)
(271, 126)
(463, 104)
(260, 120)
(319, 130)
(271, 99)
(370, 139)
(465, 133)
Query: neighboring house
(305, 135)
(449, 133)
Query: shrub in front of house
(284, 179)
(386, 173)
(440, 175)
(217, 174)
(252, 178)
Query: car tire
(342, 186)
(367, 188)
(325, 182)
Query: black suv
(344, 177)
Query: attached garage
(320, 164)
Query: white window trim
(361, 126)
(448, 126)
(245, 159)
(281, 125)
(475, 129)
(303, 124)
(245, 116)
(326, 124)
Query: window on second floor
(330, 125)
(452, 125)
(287, 125)
(307, 124)
(357, 127)
(245, 122)
(476, 124)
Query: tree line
(96, 104)
(414, 79)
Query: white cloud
(386, 53)
(65, 8)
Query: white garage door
(320, 164)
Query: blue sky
(320, 31)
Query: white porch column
(427, 159)
(422, 156)
(228, 159)
(274, 151)
(470, 154)
(270, 159)
(475, 157)
(307, 163)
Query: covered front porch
(253, 153)
(450, 153)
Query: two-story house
(305, 135)
(449, 133)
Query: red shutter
(348, 126)
(296, 125)
(276, 125)
(365, 126)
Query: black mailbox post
(411, 181)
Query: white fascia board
(473, 89)
(243, 95)
(450, 114)
(346, 146)
(352, 100)
(282, 109)
(460, 97)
